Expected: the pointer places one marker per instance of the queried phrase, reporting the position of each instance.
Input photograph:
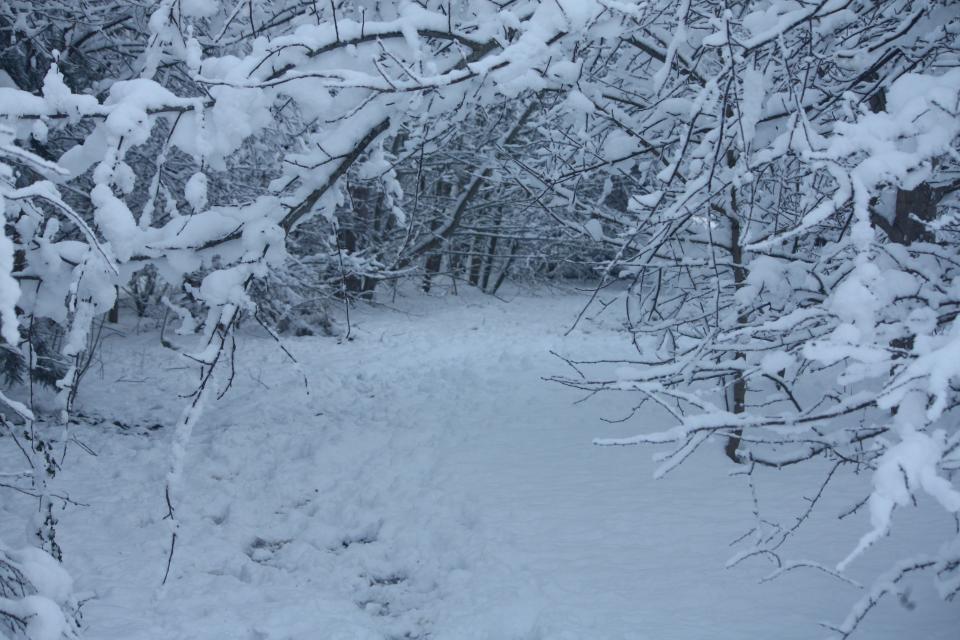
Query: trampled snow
(432, 485)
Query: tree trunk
(430, 267)
(488, 268)
(506, 268)
(476, 261)
(912, 208)
(113, 316)
(348, 244)
(739, 382)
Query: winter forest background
(311, 310)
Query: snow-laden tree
(792, 255)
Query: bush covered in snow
(36, 599)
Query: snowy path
(431, 485)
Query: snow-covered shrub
(36, 596)
(293, 305)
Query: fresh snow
(432, 484)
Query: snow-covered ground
(432, 484)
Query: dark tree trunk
(476, 261)
(352, 283)
(114, 315)
(912, 208)
(430, 268)
(488, 267)
(739, 382)
(506, 268)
